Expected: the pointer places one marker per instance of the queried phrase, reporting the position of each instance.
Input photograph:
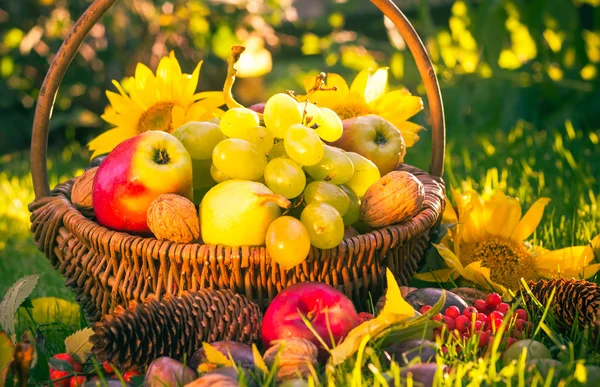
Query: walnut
(396, 197)
(223, 377)
(81, 194)
(174, 218)
(296, 357)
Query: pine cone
(174, 327)
(573, 299)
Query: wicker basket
(106, 268)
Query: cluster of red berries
(484, 319)
(74, 377)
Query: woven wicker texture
(174, 327)
(107, 268)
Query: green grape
(313, 113)
(201, 173)
(365, 174)
(278, 150)
(303, 145)
(239, 159)
(199, 138)
(324, 225)
(281, 112)
(323, 192)
(353, 214)
(259, 136)
(285, 177)
(287, 241)
(217, 175)
(335, 167)
(330, 126)
(237, 120)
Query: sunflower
(367, 95)
(488, 245)
(163, 101)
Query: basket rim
(102, 237)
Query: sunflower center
(507, 260)
(352, 107)
(157, 117)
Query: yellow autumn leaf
(259, 362)
(214, 356)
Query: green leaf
(13, 299)
(46, 310)
(7, 352)
(78, 344)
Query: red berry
(107, 367)
(68, 358)
(510, 341)
(522, 314)
(129, 374)
(462, 323)
(496, 315)
(496, 323)
(362, 317)
(466, 335)
(503, 308)
(444, 349)
(58, 374)
(484, 339)
(493, 300)
(437, 317)
(77, 381)
(450, 323)
(469, 312)
(424, 309)
(478, 325)
(480, 305)
(482, 317)
(452, 311)
(520, 324)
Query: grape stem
(318, 86)
(234, 56)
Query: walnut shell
(296, 355)
(81, 194)
(396, 197)
(174, 218)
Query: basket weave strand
(107, 268)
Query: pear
(238, 213)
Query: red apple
(134, 174)
(375, 138)
(327, 309)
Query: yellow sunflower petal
(178, 116)
(375, 87)
(212, 98)
(596, 246)
(472, 222)
(440, 275)
(449, 216)
(591, 270)
(359, 84)
(480, 275)
(398, 106)
(143, 76)
(118, 102)
(408, 129)
(501, 214)
(108, 140)
(568, 262)
(192, 83)
(530, 221)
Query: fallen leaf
(78, 344)
(259, 362)
(13, 298)
(6, 357)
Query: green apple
(534, 350)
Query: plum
(429, 296)
(421, 373)
(96, 161)
(240, 352)
(405, 351)
(166, 371)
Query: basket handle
(70, 47)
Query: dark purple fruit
(165, 371)
(429, 296)
(421, 373)
(106, 383)
(240, 352)
(405, 351)
(258, 107)
(96, 161)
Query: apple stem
(318, 86)
(161, 157)
(280, 200)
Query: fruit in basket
(330, 125)
(259, 136)
(323, 192)
(329, 311)
(335, 167)
(165, 371)
(81, 194)
(278, 150)
(239, 159)
(280, 112)
(365, 174)
(174, 218)
(396, 197)
(135, 173)
(238, 213)
(287, 241)
(217, 175)
(199, 138)
(237, 120)
(303, 145)
(375, 138)
(324, 224)
(285, 177)
(353, 214)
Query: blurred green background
(519, 80)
